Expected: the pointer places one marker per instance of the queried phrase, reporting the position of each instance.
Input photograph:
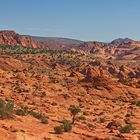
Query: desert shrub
(82, 117)
(74, 111)
(43, 70)
(22, 111)
(37, 115)
(10, 50)
(126, 128)
(137, 103)
(2, 103)
(6, 109)
(102, 120)
(58, 129)
(90, 125)
(85, 113)
(67, 126)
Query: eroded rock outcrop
(14, 39)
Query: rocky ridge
(117, 49)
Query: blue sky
(102, 20)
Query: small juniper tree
(6, 109)
(74, 111)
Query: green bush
(74, 111)
(85, 113)
(58, 129)
(126, 128)
(90, 125)
(42, 117)
(82, 117)
(2, 103)
(38, 115)
(43, 70)
(102, 120)
(67, 126)
(21, 111)
(6, 109)
(137, 103)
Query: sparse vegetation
(137, 103)
(102, 120)
(44, 82)
(66, 126)
(74, 111)
(11, 50)
(58, 129)
(126, 128)
(85, 113)
(37, 115)
(6, 109)
(43, 70)
(82, 117)
(91, 125)
(22, 111)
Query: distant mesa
(117, 49)
(121, 40)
